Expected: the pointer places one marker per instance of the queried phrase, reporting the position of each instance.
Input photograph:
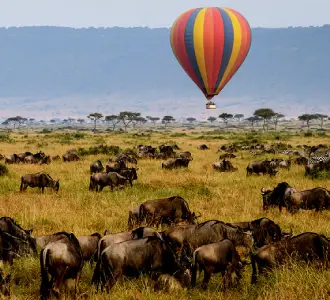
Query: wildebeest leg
(207, 277)
(59, 280)
(112, 281)
(100, 188)
(42, 189)
(194, 271)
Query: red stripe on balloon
(180, 46)
(208, 37)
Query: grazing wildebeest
(307, 246)
(172, 283)
(88, 245)
(285, 164)
(173, 209)
(214, 258)
(71, 156)
(63, 260)
(133, 257)
(264, 231)
(21, 156)
(100, 180)
(318, 198)
(203, 147)
(40, 180)
(175, 163)
(277, 196)
(11, 159)
(133, 217)
(96, 167)
(224, 166)
(258, 167)
(185, 155)
(44, 240)
(227, 155)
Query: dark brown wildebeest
(40, 180)
(224, 166)
(129, 173)
(71, 156)
(100, 180)
(318, 198)
(45, 160)
(115, 166)
(214, 258)
(258, 167)
(133, 217)
(185, 155)
(170, 210)
(11, 159)
(96, 167)
(275, 197)
(88, 245)
(34, 158)
(301, 161)
(203, 147)
(21, 156)
(264, 231)
(308, 246)
(5, 283)
(63, 260)
(175, 163)
(227, 155)
(155, 255)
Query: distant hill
(56, 71)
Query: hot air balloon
(211, 44)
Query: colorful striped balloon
(210, 45)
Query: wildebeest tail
(96, 279)
(21, 187)
(44, 286)
(91, 184)
(194, 269)
(254, 269)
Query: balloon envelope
(210, 45)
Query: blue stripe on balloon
(189, 42)
(228, 44)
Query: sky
(156, 13)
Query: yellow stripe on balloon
(236, 48)
(199, 45)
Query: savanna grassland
(224, 196)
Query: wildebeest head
(56, 185)
(192, 218)
(248, 239)
(274, 197)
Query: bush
(308, 134)
(3, 170)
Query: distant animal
(224, 166)
(308, 247)
(203, 147)
(217, 257)
(88, 245)
(112, 179)
(45, 160)
(172, 283)
(227, 155)
(185, 155)
(11, 159)
(285, 164)
(262, 167)
(96, 167)
(301, 160)
(71, 156)
(175, 163)
(63, 260)
(40, 180)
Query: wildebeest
(175, 163)
(96, 167)
(11, 159)
(318, 198)
(308, 246)
(276, 196)
(185, 155)
(301, 160)
(115, 166)
(88, 245)
(227, 155)
(45, 160)
(258, 167)
(21, 156)
(154, 255)
(63, 260)
(203, 147)
(285, 164)
(100, 180)
(44, 240)
(40, 180)
(224, 166)
(217, 257)
(171, 210)
(172, 283)
(133, 217)
(71, 156)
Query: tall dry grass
(227, 197)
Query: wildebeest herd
(175, 255)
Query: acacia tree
(16, 121)
(211, 119)
(127, 117)
(321, 118)
(239, 117)
(95, 117)
(266, 114)
(307, 118)
(167, 120)
(153, 119)
(276, 117)
(190, 120)
(225, 117)
(113, 119)
(253, 120)
(81, 121)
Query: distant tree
(225, 117)
(53, 121)
(135, 118)
(127, 117)
(141, 120)
(113, 119)
(239, 117)
(211, 119)
(153, 119)
(32, 120)
(167, 120)
(190, 120)
(307, 118)
(253, 120)
(81, 121)
(71, 120)
(321, 118)
(94, 117)
(276, 117)
(16, 121)
(266, 114)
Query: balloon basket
(211, 106)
